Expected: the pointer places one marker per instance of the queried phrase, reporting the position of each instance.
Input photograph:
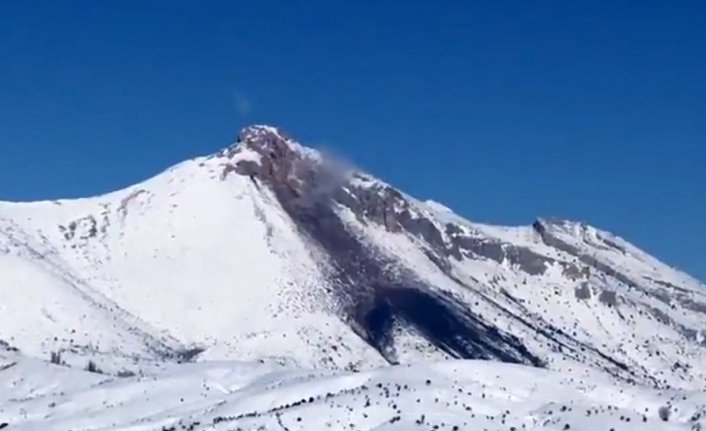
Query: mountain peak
(262, 135)
(261, 145)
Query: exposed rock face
(308, 189)
(583, 291)
(311, 190)
(311, 180)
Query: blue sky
(504, 110)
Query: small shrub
(91, 367)
(664, 413)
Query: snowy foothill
(227, 395)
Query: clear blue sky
(503, 110)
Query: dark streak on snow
(372, 296)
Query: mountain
(270, 251)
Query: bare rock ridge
(270, 250)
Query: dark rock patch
(609, 298)
(583, 291)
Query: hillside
(453, 395)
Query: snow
(173, 252)
(438, 207)
(461, 395)
(625, 333)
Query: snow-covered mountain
(268, 251)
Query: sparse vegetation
(91, 367)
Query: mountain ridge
(267, 250)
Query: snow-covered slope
(269, 251)
(209, 260)
(452, 395)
